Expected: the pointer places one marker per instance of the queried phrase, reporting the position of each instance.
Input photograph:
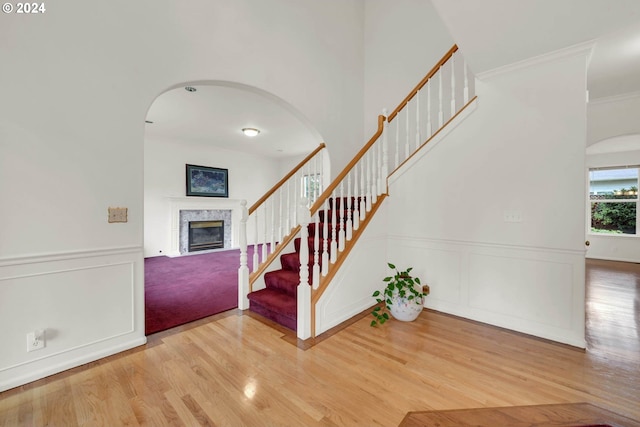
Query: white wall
(76, 84)
(403, 41)
(610, 117)
(164, 183)
(521, 153)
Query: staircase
(341, 211)
(278, 300)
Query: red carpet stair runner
(278, 300)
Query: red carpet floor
(183, 289)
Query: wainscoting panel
(518, 287)
(449, 271)
(538, 291)
(89, 304)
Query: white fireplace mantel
(202, 203)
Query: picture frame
(205, 181)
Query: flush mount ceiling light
(250, 131)
(190, 89)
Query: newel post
(304, 290)
(243, 271)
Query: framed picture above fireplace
(205, 181)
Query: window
(613, 195)
(312, 187)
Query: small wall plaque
(117, 214)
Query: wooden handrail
(423, 82)
(327, 192)
(273, 189)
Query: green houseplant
(402, 296)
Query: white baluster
(418, 139)
(372, 165)
(315, 276)
(429, 129)
(288, 225)
(363, 189)
(385, 152)
(466, 81)
(256, 258)
(440, 101)
(397, 156)
(297, 183)
(280, 212)
(367, 164)
(304, 290)
(378, 148)
(265, 248)
(273, 226)
(316, 179)
(341, 232)
(375, 177)
(334, 235)
(355, 214)
(406, 145)
(243, 271)
(325, 239)
(349, 204)
(453, 85)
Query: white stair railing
(436, 100)
(352, 198)
(269, 223)
(409, 127)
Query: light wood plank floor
(235, 370)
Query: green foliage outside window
(615, 217)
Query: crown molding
(615, 98)
(574, 50)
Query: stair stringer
(361, 273)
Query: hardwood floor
(233, 369)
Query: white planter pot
(404, 309)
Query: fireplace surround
(185, 209)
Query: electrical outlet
(35, 340)
(512, 216)
(117, 214)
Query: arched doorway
(200, 123)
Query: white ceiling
(494, 33)
(490, 33)
(215, 114)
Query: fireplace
(183, 213)
(205, 235)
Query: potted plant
(403, 297)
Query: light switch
(117, 214)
